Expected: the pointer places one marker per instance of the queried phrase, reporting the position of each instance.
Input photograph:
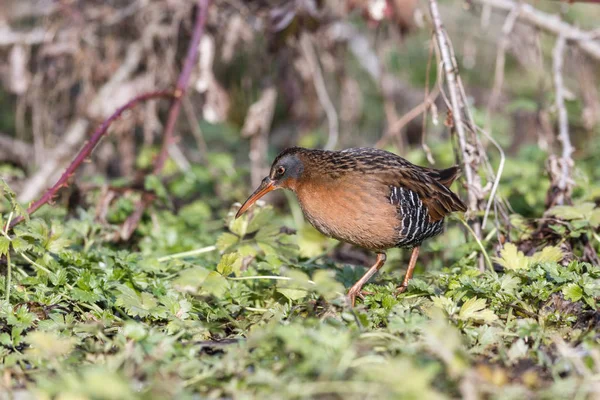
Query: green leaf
(509, 283)
(84, 295)
(297, 288)
(595, 218)
(239, 226)
(293, 294)
(580, 211)
(267, 234)
(326, 284)
(20, 245)
(444, 303)
(191, 279)
(135, 305)
(226, 240)
(230, 263)
(215, 284)
(153, 183)
(48, 345)
(134, 330)
(57, 243)
(5, 339)
(4, 245)
(550, 254)
(10, 195)
(474, 309)
(262, 217)
(512, 259)
(572, 292)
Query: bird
(368, 197)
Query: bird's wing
(439, 200)
(432, 185)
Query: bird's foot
(401, 289)
(355, 292)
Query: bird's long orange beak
(266, 186)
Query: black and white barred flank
(415, 225)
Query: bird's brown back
(375, 167)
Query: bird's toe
(401, 289)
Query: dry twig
(507, 28)
(396, 127)
(8, 37)
(15, 150)
(468, 151)
(563, 181)
(551, 23)
(332, 116)
(256, 127)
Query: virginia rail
(367, 197)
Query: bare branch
(507, 28)
(87, 150)
(54, 161)
(566, 161)
(551, 23)
(8, 37)
(455, 102)
(400, 123)
(496, 180)
(182, 82)
(256, 127)
(50, 169)
(15, 150)
(332, 116)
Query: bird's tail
(445, 176)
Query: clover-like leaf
(4, 245)
(20, 245)
(475, 309)
(512, 259)
(226, 240)
(230, 263)
(215, 284)
(550, 254)
(572, 292)
(135, 305)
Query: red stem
(87, 150)
(181, 88)
(182, 83)
(191, 59)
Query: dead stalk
(451, 74)
(551, 23)
(332, 117)
(566, 161)
(507, 28)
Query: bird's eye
(280, 171)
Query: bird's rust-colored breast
(350, 209)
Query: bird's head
(285, 173)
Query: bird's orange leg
(356, 289)
(409, 271)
